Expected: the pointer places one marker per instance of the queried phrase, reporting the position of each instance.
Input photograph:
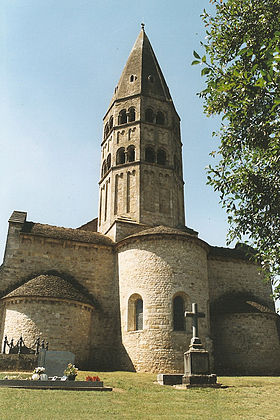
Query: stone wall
(158, 268)
(18, 362)
(64, 325)
(246, 344)
(92, 265)
(237, 276)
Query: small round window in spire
(151, 78)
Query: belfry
(115, 290)
(141, 181)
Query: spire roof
(142, 73)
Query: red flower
(92, 378)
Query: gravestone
(55, 362)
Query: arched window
(120, 156)
(139, 314)
(104, 168)
(135, 313)
(111, 121)
(131, 114)
(150, 155)
(161, 157)
(149, 115)
(178, 314)
(160, 118)
(109, 161)
(106, 130)
(122, 117)
(131, 154)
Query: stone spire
(141, 180)
(142, 66)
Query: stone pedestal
(196, 366)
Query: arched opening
(161, 157)
(104, 168)
(150, 155)
(160, 118)
(131, 154)
(122, 117)
(111, 121)
(106, 130)
(139, 314)
(149, 115)
(120, 156)
(179, 314)
(109, 161)
(131, 114)
(135, 313)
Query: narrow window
(120, 156)
(150, 155)
(108, 161)
(122, 117)
(149, 115)
(111, 121)
(131, 115)
(178, 314)
(104, 168)
(131, 154)
(139, 314)
(106, 130)
(161, 157)
(132, 78)
(160, 118)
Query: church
(114, 291)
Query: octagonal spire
(142, 74)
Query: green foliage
(241, 67)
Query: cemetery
(196, 388)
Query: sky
(62, 60)
(60, 63)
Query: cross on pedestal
(195, 315)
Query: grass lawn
(138, 396)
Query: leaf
(196, 55)
(195, 62)
(205, 71)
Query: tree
(241, 66)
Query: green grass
(138, 396)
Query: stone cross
(194, 315)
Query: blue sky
(62, 60)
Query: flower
(71, 370)
(39, 370)
(92, 378)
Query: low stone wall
(18, 362)
(64, 324)
(246, 344)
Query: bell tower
(141, 181)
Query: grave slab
(55, 385)
(170, 378)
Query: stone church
(114, 290)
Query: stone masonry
(114, 291)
